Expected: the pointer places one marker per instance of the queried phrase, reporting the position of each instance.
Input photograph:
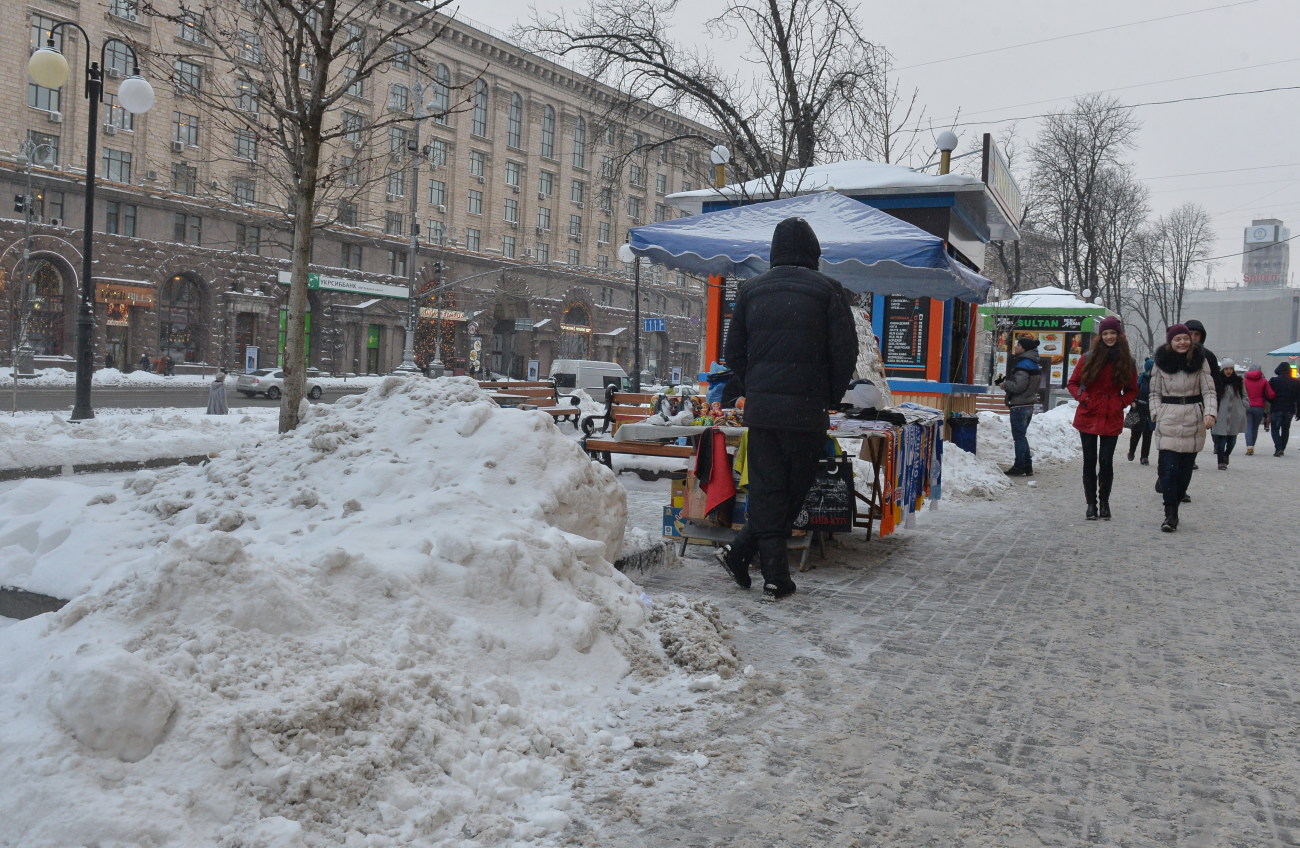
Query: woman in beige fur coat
(1183, 403)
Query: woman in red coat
(1103, 382)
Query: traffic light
(20, 203)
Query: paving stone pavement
(1010, 674)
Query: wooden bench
(992, 402)
(547, 399)
(620, 408)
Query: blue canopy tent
(866, 250)
(1292, 349)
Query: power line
(1138, 105)
(1076, 34)
(1213, 187)
(1244, 252)
(1225, 171)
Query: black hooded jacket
(792, 341)
(1286, 391)
(1209, 354)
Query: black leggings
(1098, 465)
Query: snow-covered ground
(398, 624)
(105, 377)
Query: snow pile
(44, 439)
(967, 475)
(693, 635)
(398, 624)
(1052, 438)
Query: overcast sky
(1153, 50)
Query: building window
(351, 256)
(661, 212)
(185, 179)
(602, 262)
(606, 199)
(39, 138)
(395, 184)
(440, 103)
(508, 247)
(397, 263)
(246, 96)
(577, 191)
(543, 252)
(123, 9)
(437, 231)
(119, 218)
(352, 124)
(514, 173)
(397, 137)
(190, 28)
(580, 144)
(475, 202)
(477, 163)
(515, 124)
(661, 183)
(394, 223)
(244, 191)
(185, 129)
(543, 218)
(245, 146)
(479, 113)
(636, 175)
(356, 41)
(602, 230)
(473, 239)
(347, 213)
(187, 229)
(117, 116)
(248, 239)
(401, 58)
(399, 97)
(437, 192)
(687, 185)
(356, 85)
(116, 165)
(307, 68)
(437, 153)
(548, 132)
(607, 167)
(545, 184)
(575, 225)
(117, 57)
(250, 46)
(574, 257)
(187, 77)
(512, 211)
(610, 135)
(634, 208)
(351, 171)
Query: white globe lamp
(48, 68)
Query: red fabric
(717, 482)
(1101, 405)
(1257, 388)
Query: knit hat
(1028, 342)
(795, 243)
(1225, 363)
(1176, 330)
(1148, 364)
(1110, 322)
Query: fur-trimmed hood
(1171, 362)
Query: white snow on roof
(1047, 297)
(856, 176)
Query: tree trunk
(295, 352)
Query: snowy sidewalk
(1008, 675)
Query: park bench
(992, 402)
(543, 398)
(620, 407)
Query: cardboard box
(738, 510)
(672, 522)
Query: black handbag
(1132, 420)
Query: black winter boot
(1103, 510)
(739, 571)
(1170, 523)
(1091, 514)
(773, 558)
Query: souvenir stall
(1062, 323)
(867, 251)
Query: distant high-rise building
(1265, 262)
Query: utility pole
(408, 365)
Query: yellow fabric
(741, 462)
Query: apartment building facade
(521, 197)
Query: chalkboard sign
(905, 332)
(829, 505)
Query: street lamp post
(408, 365)
(49, 68)
(27, 152)
(625, 253)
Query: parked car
(270, 382)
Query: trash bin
(964, 428)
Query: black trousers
(782, 465)
(1098, 465)
(1175, 471)
(1141, 434)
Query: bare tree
(1074, 160)
(1121, 202)
(886, 125)
(810, 65)
(288, 68)
(1170, 252)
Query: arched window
(440, 103)
(45, 321)
(181, 329)
(575, 333)
(580, 144)
(479, 116)
(548, 132)
(515, 127)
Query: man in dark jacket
(1198, 337)
(793, 345)
(1286, 406)
(1021, 388)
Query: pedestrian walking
(144, 361)
(1231, 418)
(793, 344)
(1103, 383)
(217, 394)
(109, 361)
(1142, 406)
(1259, 394)
(1021, 388)
(1284, 407)
(1182, 397)
(169, 365)
(1198, 338)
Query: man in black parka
(793, 345)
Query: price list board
(731, 287)
(905, 334)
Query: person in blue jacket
(1021, 387)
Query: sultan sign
(321, 282)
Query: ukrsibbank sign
(319, 281)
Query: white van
(590, 375)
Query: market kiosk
(1062, 323)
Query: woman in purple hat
(1183, 406)
(1103, 382)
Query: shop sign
(128, 295)
(996, 174)
(322, 282)
(575, 328)
(447, 314)
(906, 321)
(1069, 323)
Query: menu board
(731, 288)
(905, 332)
